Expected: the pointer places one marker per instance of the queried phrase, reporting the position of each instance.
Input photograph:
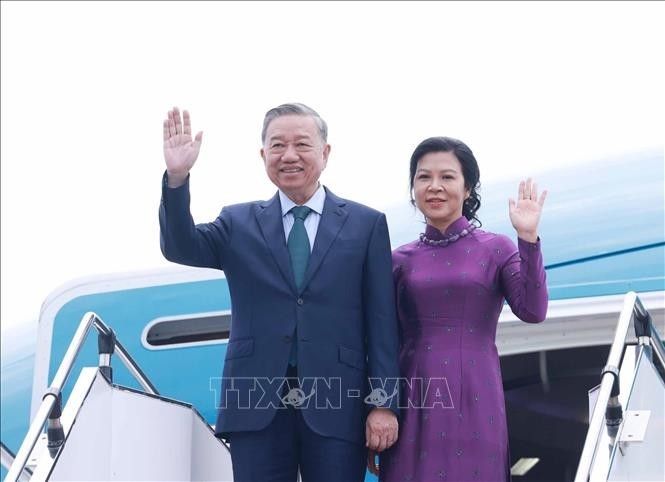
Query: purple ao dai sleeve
(522, 279)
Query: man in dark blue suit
(311, 289)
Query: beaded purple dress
(449, 297)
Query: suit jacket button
(287, 338)
(301, 301)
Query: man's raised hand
(180, 151)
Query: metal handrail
(51, 399)
(126, 358)
(657, 345)
(632, 309)
(647, 333)
(7, 458)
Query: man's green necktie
(298, 244)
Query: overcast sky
(85, 86)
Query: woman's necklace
(450, 239)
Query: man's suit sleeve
(380, 315)
(202, 245)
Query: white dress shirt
(315, 203)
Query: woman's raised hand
(525, 213)
(180, 151)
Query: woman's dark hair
(469, 165)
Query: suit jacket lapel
(332, 220)
(270, 222)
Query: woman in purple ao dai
(450, 287)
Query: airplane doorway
(547, 410)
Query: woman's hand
(180, 151)
(525, 213)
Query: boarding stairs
(110, 432)
(626, 437)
